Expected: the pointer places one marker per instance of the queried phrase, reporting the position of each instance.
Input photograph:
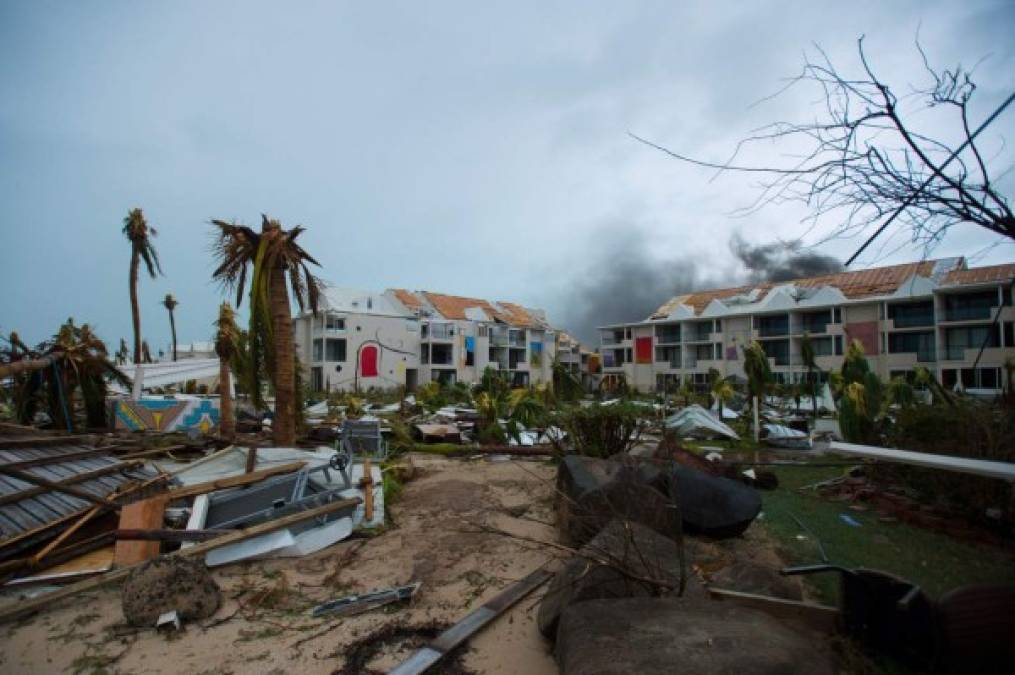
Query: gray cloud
(468, 150)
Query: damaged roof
(981, 275)
(25, 507)
(461, 308)
(857, 284)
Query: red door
(368, 361)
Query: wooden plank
(977, 467)
(821, 617)
(251, 459)
(63, 536)
(154, 452)
(25, 607)
(146, 514)
(45, 441)
(234, 481)
(57, 459)
(368, 492)
(423, 659)
(56, 486)
(77, 478)
(170, 535)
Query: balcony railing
(926, 357)
(955, 353)
(690, 361)
(814, 327)
(972, 313)
(668, 337)
(439, 331)
(699, 336)
(612, 339)
(913, 320)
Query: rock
(592, 492)
(166, 584)
(712, 506)
(664, 635)
(628, 546)
(750, 577)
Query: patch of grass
(935, 561)
(444, 449)
(392, 489)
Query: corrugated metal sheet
(18, 516)
(981, 275)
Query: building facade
(956, 321)
(402, 338)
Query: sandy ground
(264, 625)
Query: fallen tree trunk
(28, 365)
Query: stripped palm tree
(758, 372)
(171, 304)
(139, 234)
(809, 357)
(722, 389)
(227, 338)
(273, 255)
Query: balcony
(969, 313)
(438, 331)
(813, 327)
(926, 357)
(612, 338)
(690, 361)
(668, 337)
(954, 353)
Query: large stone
(592, 492)
(606, 567)
(642, 636)
(166, 584)
(712, 506)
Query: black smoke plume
(625, 282)
(781, 261)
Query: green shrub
(600, 430)
(965, 429)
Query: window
(718, 351)
(335, 350)
(912, 314)
(317, 378)
(483, 331)
(470, 358)
(627, 334)
(334, 322)
(836, 315)
(627, 352)
(318, 349)
(838, 345)
(1009, 333)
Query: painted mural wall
(165, 414)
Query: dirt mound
(168, 583)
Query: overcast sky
(470, 148)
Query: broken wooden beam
(168, 535)
(233, 481)
(24, 607)
(821, 617)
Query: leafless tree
(867, 161)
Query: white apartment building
(362, 339)
(957, 321)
